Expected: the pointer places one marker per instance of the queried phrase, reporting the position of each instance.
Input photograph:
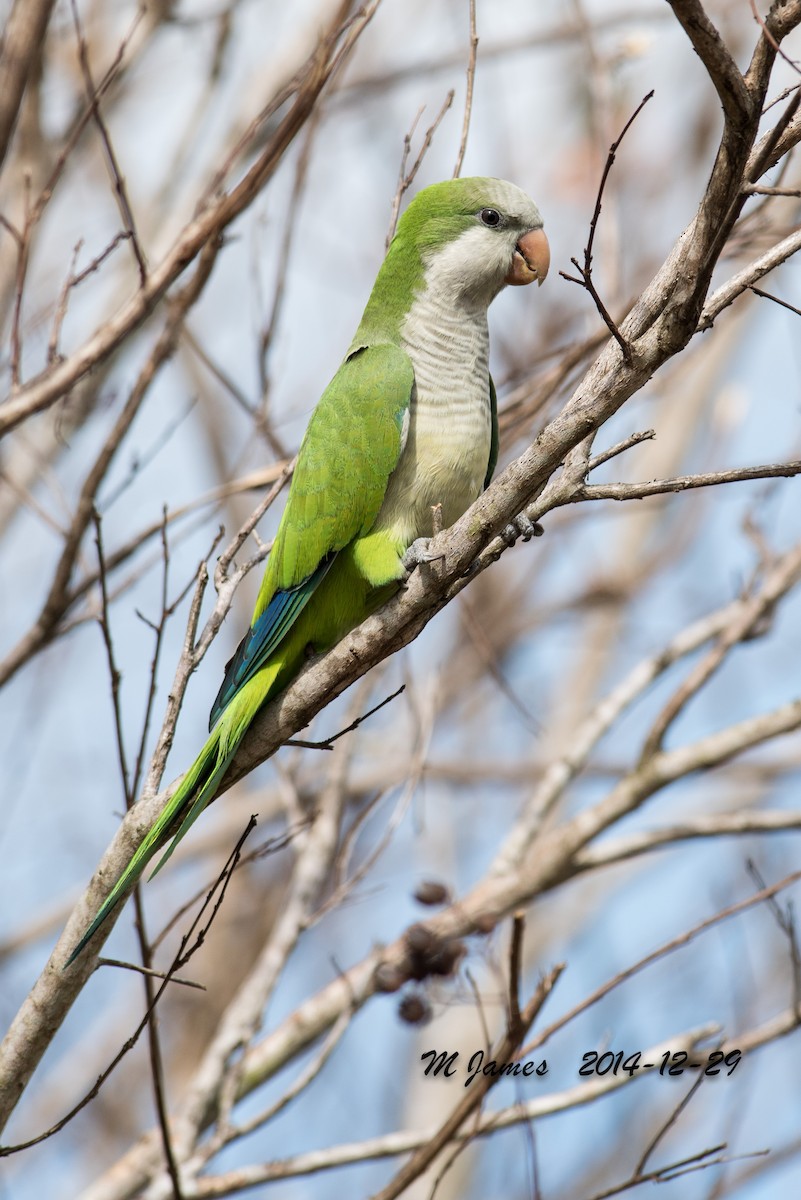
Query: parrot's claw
(521, 527)
(419, 553)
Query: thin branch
(120, 190)
(306, 1077)
(61, 306)
(683, 1166)
(406, 178)
(775, 144)
(157, 1073)
(468, 100)
(744, 279)
(665, 1127)
(667, 948)
(328, 743)
(781, 579)
(286, 244)
(756, 189)
(683, 483)
(621, 849)
(139, 970)
(113, 670)
(634, 439)
(584, 278)
(785, 919)
(772, 40)
(720, 66)
(73, 281)
(776, 300)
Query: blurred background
(497, 685)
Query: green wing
(350, 449)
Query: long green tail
(270, 654)
(195, 791)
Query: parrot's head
(476, 235)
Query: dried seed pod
(431, 892)
(414, 1009)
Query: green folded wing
(350, 449)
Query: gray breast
(445, 456)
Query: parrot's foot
(523, 528)
(419, 553)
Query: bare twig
(113, 670)
(139, 970)
(468, 100)
(634, 439)
(684, 1166)
(784, 575)
(747, 277)
(328, 743)
(682, 483)
(776, 300)
(785, 919)
(120, 190)
(665, 1127)
(406, 178)
(770, 38)
(584, 277)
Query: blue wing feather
(265, 635)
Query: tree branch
(23, 39)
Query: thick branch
(22, 42)
(721, 67)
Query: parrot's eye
(490, 216)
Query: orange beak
(531, 260)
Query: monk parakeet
(408, 422)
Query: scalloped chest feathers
(446, 452)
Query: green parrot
(408, 422)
